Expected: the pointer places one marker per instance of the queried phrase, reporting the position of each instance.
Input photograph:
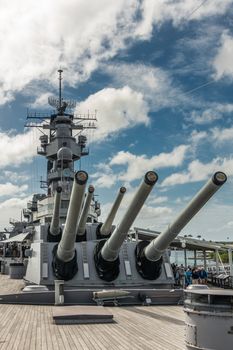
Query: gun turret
(81, 228)
(149, 254)
(105, 229)
(54, 230)
(65, 261)
(106, 252)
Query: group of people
(12, 251)
(186, 276)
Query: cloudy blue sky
(159, 73)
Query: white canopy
(18, 238)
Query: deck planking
(31, 327)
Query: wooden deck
(31, 327)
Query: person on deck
(203, 276)
(195, 276)
(188, 277)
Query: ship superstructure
(62, 144)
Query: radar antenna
(59, 103)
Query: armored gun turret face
(106, 252)
(149, 255)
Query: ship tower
(62, 143)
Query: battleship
(68, 252)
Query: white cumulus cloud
(158, 200)
(11, 208)
(8, 189)
(14, 176)
(17, 148)
(138, 165)
(209, 115)
(41, 101)
(156, 84)
(222, 63)
(117, 109)
(198, 136)
(159, 11)
(79, 35)
(222, 135)
(73, 34)
(198, 171)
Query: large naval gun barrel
(149, 255)
(106, 228)
(81, 228)
(65, 260)
(54, 231)
(106, 253)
